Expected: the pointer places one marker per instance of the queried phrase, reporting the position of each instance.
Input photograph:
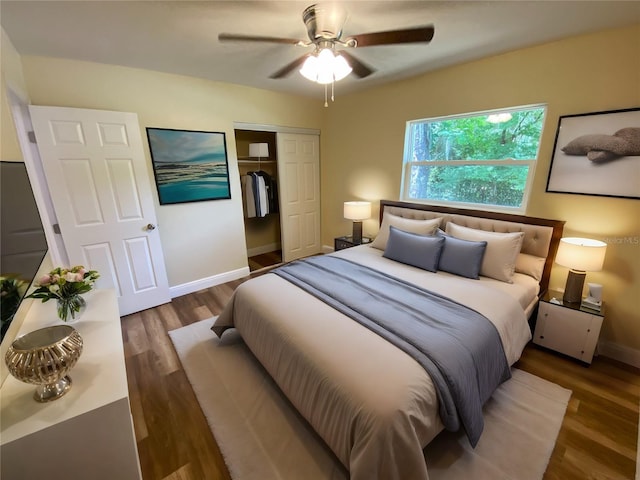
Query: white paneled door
(96, 171)
(299, 190)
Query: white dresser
(88, 433)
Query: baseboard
(196, 285)
(327, 249)
(271, 247)
(623, 354)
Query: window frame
(407, 163)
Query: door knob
(150, 226)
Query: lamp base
(357, 233)
(574, 286)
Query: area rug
(262, 437)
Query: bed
(373, 404)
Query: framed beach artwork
(188, 165)
(597, 154)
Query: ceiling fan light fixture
(325, 67)
(309, 69)
(341, 67)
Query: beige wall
(10, 76)
(363, 136)
(202, 239)
(362, 143)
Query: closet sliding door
(299, 180)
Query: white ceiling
(182, 36)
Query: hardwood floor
(263, 260)
(597, 440)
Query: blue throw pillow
(421, 251)
(461, 257)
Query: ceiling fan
(329, 61)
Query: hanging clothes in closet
(260, 194)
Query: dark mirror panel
(22, 241)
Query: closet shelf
(247, 160)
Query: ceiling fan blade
(287, 69)
(359, 69)
(410, 35)
(232, 37)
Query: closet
(257, 157)
(292, 161)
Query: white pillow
(530, 265)
(411, 225)
(499, 260)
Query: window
(478, 159)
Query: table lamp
(580, 255)
(357, 211)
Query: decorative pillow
(461, 257)
(530, 265)
(418, 250)
(632, 136)
(421, 227)
(582, 145)
(499, 260)
(601, 156)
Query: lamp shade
(581, 254)
(357, 210)
(258, 150)
(325, 67)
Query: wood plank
(183, 473)
(134, 336)
(165, 358)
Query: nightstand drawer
(565, 330)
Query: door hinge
(32, 137)
(56, 228)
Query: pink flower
(44, 280)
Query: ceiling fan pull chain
(332, 87)
(325, 95)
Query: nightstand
(569, 329)
(340, 243)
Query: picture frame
(189, 165)
(597, 154)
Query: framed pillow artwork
(597, 154)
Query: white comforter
(373, 405)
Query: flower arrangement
(65, 285)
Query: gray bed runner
(459, 348)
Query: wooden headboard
(541, 238)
